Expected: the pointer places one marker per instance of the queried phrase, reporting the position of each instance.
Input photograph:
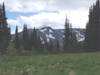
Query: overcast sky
(36, 13)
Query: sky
(36, 13)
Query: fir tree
(92, 34)
(47, 46)
(25, 38)
(6, 36)
(67, 34)
(39, 44)
(0, 26)
(58, 46)
(35, 40)
(51, 47)
(11, 52)
(74, 44)
(17, 44)
(31, 41)
(44, 50)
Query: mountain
(47, 33)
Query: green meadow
(54, 64)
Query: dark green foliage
(51, 47)
(17, 44)
(92, 34)
(55, 51)
(47, 46)
(39, 44)
(5, 35)
(0, 27)
(30, 41)
(58, 46)
(35, 40)
(67, 34)
(74, 48)
(25, 38)
(80, 46)
(44, 49)
(11, 52)
(70, 41)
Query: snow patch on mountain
(82, 39)
(50, 36)
(76, 31)
(42, 26)
(62, 31)
(43, 30)
(41, 38)
(80, 35)
(47, 39)
(50, 31)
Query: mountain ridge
(48, 33)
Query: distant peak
(42, 26)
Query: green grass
(59, 64)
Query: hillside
(49, 33)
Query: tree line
(92, 34)
(5, 35)
(31, 43)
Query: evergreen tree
(51, 47)
(25, 38)
(6, 36)
(67, 34)
(47, 46)
(35, 40)
(39, 44)
(31, 41)
(44, 50)
(0, 26)
(92, 34)
(17, 44)
(74, 44)
(58, 46)
(11, 52)
(70, 41)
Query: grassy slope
(60, 64)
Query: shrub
(10, 53)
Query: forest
(31, 44)
(27, 55)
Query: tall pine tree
(35, 40)
(25, 38)
(5, 30)
(0, 26)
(92, 34)
(17, 44)
(66, 38)
(58, 46)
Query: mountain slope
(48, 34)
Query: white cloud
(45, 5)
(40, 19)
(76, 10)
(14, 22)
(77, 18)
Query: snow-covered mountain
(47, 33)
